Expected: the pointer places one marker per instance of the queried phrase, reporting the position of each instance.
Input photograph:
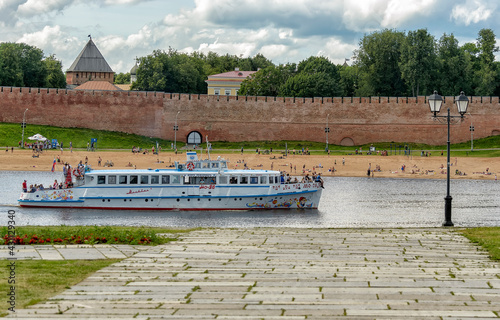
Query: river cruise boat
(193, 185)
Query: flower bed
(86, 235)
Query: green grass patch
(10, 135)
(89, 235)
(486, 237)
(38, 280)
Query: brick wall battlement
(357, 120)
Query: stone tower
(89, 65)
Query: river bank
(392, 166)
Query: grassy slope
(38, 280)
(10, 135)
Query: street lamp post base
(447, 212)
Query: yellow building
(227, 83)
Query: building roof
(90, 60)
(125, 87)
(134, 69)
(97, 85)
(236, 74)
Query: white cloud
(32, 8)
(472, 12)
(398, 12)
(53, 40)
(284, 31)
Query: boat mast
(208, 148)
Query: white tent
(37, 137)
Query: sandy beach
(343, 165)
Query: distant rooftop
(98, 85)
(233, 74)
(90, 60)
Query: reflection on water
(346, 202)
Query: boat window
(122, 179)
(175, 179)
(223, 179)
(202, 180)
(133, 179)
(223, 165)
(101, 179)
(263, 180)
(144, 179)
(254, 180)
(205, 165)
(111, 179)
(155, 179)
(165, 179)
(276, 181)
(215, 165)
(233, 180)
(197, 165)
(244, 180)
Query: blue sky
(282, 30)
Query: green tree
(22, 65)
(260, 62)
(418, 61)
(34, 69)
(316, 77)
(486, 44)
(455, 67)
(378, 59)
(55, 76)
(348, 80)
(310, 85)
(11, 72)
(486, 75)
(122, 78)
(267, 81)
(171, 71)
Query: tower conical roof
(90, 60)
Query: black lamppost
(23, 125)
(327, 129)
(176, 128)
(435, 102)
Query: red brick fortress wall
(228, 118)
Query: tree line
(387, 63)
(22, 65)
(390, 63)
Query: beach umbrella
(37, 137)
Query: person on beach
(369, 170)
(25, 186)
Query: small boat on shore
(193, 185)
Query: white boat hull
(199, 197)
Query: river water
(345, 203)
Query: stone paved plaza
(280, 273)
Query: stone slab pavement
(70, 252)
(284, 273)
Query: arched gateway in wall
(194, 137)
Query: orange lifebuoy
(190, 166)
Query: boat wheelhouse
(194, 185)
